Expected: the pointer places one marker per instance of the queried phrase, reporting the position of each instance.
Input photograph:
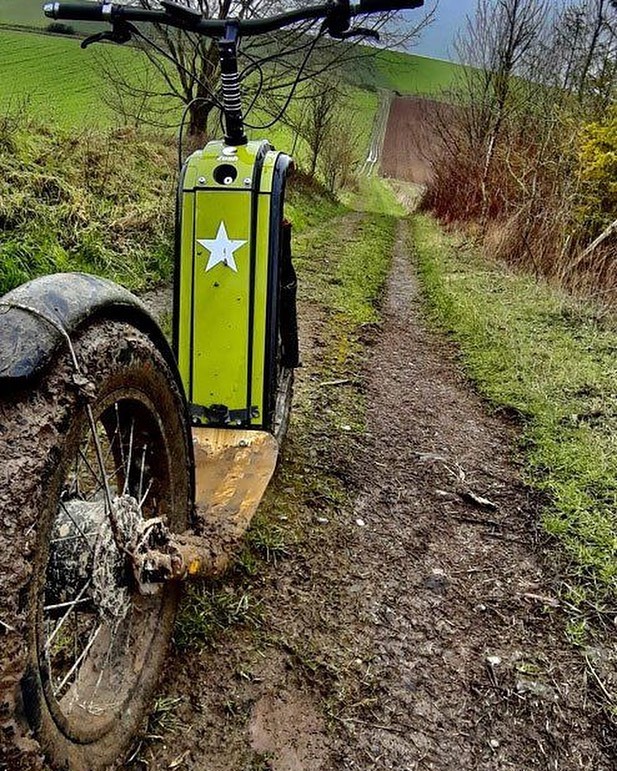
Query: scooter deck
(232, 470)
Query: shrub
(598, 172)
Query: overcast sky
(437, 39)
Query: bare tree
(186, 66)
(183, 67)
(315, 111)
(496, 42)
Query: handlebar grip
(77, 11)
(382, 6)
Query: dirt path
(378, 134)
(476, 674)
(404, 626)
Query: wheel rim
(95, 631)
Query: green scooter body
(230, 214)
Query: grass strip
(552, 360)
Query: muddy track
(409, 626)
(476, 670)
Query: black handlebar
(383, 6)
(179, 17)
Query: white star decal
(221, 249)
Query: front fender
(28, 343)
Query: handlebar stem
(230, 86)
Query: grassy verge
(91, 202)
(552, 361)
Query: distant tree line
(529, 151)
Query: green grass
(346, 267)
(405, 73)
(27, 12)
(307, 205)
(373, 194)
(553, 361)
(53, 78)
(92, 202)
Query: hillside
(35, 66)
(72, 75)
(27, 12)
(404, 73)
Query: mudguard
(28, 343)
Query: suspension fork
(230, 78)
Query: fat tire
(283, 400)
(38, 426)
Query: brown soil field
(411, 139)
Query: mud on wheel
(87, 462)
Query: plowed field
(411, 138)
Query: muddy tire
(83, 651)
(282, 409)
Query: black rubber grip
(75, 11)
(377, 6)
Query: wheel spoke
(99, 680)
(130, 458)
(90, 469)
(79, 660)
(72, 604)
(146, 494)
(65, 538)
(112, 474)
(141, 472)
(82, 534)
(70, 607)
(110, 509)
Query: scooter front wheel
(91, 457)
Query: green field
(53, 78)
(35, 66)
(27, 12)
(405, 73)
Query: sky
(437, 40)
